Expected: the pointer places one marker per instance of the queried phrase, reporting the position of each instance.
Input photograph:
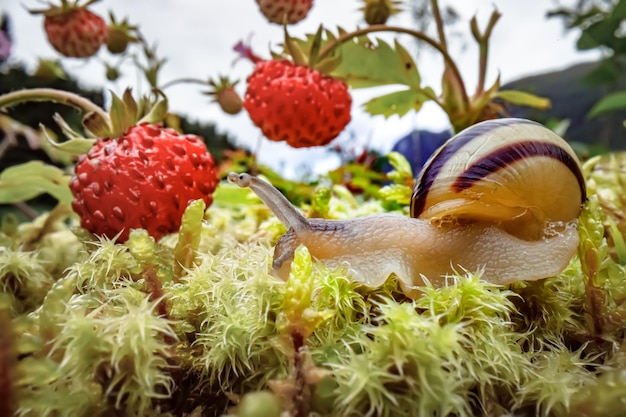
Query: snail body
(501, 197)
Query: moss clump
(193, 325)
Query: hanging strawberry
(293, 100)
(140, 175)
(72, 29)
(285, 11)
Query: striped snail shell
(512, 171)
(501, 198)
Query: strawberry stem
(184, 81)
(346, 37)
(49, 94)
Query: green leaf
(120, 120)
(74, 146)
(398, 103)
(157, 113)
(522, 98)
(610, 102)
(131, 106)
(365, 64)
(25, 181)
(598, 34)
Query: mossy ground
(194, 324)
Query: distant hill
(572, 98)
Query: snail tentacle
(277, 203)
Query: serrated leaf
(31, 179)
(365, 64)
(397, 103)
(610, 102)
(522, 98)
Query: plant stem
(49, 94)
(483, 48)
(330, 46)
(183, 81)
(439, 23)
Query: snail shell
(514, 172)
(502, 197)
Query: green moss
(112, 329)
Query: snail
(501, 197)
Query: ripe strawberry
(296, 103)
(73, 30)
(142, 179)
(276, 11)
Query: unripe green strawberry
(224, 94)
(376, 12)
(297, 104)
(75, 31)
(120, 35)
(285, 11)
(142, 179)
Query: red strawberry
(73, 30)
(143, 179)
(276, 11)
(296, 103)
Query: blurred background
(529, 50)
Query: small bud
(112, 73)
(376, 12)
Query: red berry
(75, 32)
(277, 10)
(143, 179)
(297, 104)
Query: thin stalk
(183, 81)
(330, 46)
(49, 94)
(483, 48)
(439, 23)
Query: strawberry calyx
(65, 7)
(125, 112)
(308, 56)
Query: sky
(197, 37)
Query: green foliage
(31, 179)
(611, 102)
(601, 27)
